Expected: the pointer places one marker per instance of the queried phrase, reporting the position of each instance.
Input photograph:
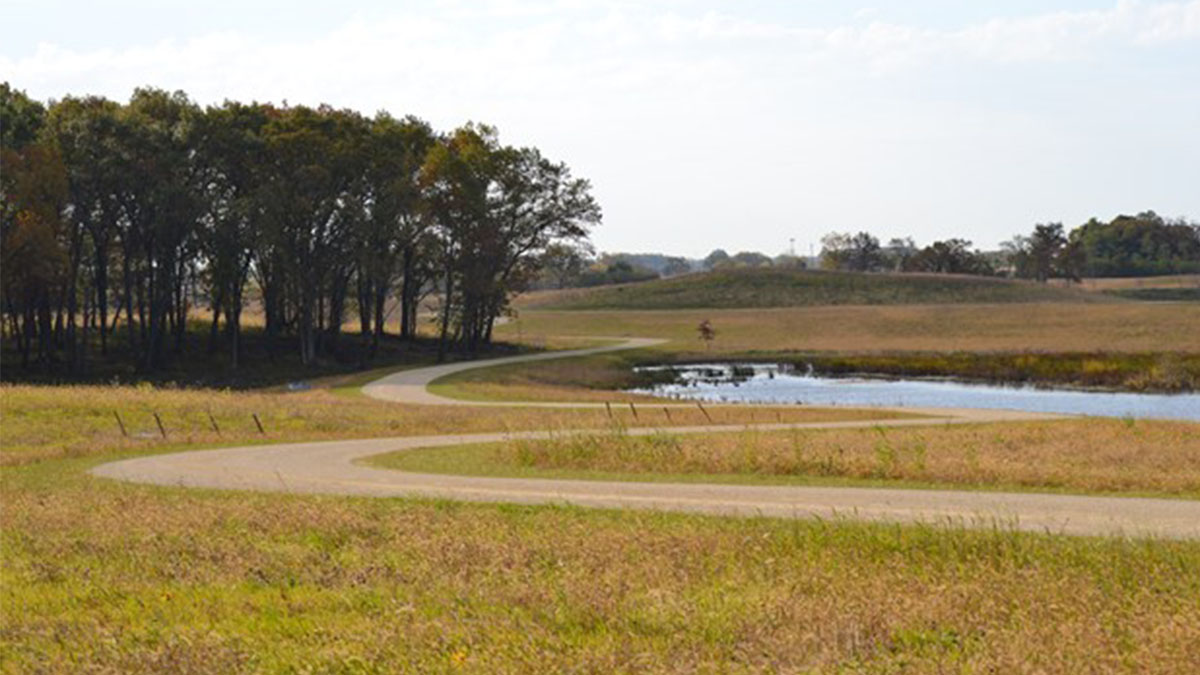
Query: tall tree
(230, 148)
(85, 132)
(496, 209)
(857, 253)
(1138, 245)
(314, 162)
(395, 229)
(952, 256)
(141, 210)
(160, 205)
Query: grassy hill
(797, 288)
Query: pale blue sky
(705, 124)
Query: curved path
(333, 467)
(411, 386)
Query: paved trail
(332, 467)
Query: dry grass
(106, 577)
(42, 423)
(1089, 455)
(99, 576)
(1049, 327)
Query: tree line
(118, 220)
(1145, 244)
(1142, 245)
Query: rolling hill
(771, 287)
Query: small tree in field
(706, 332)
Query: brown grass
(40, 423)
(105, 577)
(1050, 327)
(1090, 455)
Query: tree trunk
(447, 301)
(407, 297)
(214, 329)
(380, 300)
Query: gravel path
(332, 467)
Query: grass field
(41, 423)
(1129, 346)
(1178, 294)
(99, 576)
(1094, 456)
(103, 576)
(777, 287)
(599, 377)
(1050, 327)
(1122, 283)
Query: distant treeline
(1127, 246)
(118, 219)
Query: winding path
(333, 467)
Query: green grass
(770, 287)
(598, 377)
(1157, 294)
(103, 576)
(1164, 372)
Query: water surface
(773, 383)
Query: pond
(779, 383)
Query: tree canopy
(119, 220)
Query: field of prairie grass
(1123, 346)
(1033, 327)
(98, 576)
(1092, 456)
(41, 423)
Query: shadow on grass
(264, 363)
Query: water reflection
(782, 383)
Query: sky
(738, 124)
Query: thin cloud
(460, 43)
